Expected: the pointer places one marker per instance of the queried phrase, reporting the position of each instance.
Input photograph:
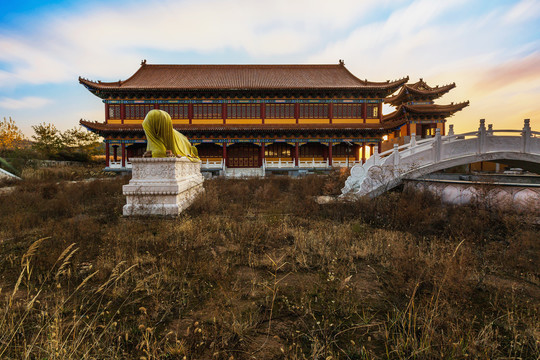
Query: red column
(225, 154)
(115, 152)
(330, 154)
(363, 153)
(261, 156)
(263, 112)
(296, 154)
(364, 112)
(107, 154)
(123, 112)
(123, 155)
(355, 149)
(190, 112)
(380, 112)
(296, 111)
(106, 112)
(156, 106)
(379, 147)
(224, 112)
(330, 112)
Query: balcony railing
(118, 165)
(267, 164)
(212, 164)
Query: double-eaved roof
(419, 91)
(227, 78)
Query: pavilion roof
(410, 112)
(242, 77)
(418, 91)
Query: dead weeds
(256, 269)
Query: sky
(489, 48)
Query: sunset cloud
(490, 49)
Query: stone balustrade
(384, 171)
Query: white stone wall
(523, 198)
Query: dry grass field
(256, 269)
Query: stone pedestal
(162, 186)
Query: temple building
(416, 108)
(255, 119)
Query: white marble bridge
(382, 172)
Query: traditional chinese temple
(416, 108)
(253, 119)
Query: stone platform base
(244, 172)
(162, 186)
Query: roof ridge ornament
(341, 62)
(143, 62)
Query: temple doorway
(243, 156)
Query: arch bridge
(384, 171)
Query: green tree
(10, 135)
(47, 139)
(81, 140)
(73, 144)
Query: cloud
(108, 38)
(525, 10)
(521, 70)
(478, 45)
(29, 102)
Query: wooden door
(243, 156)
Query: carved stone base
(162, 186)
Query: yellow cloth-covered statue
(161, 137)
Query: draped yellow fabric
(161, 137)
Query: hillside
(256, 269)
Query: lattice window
(243, 111)
(278, 150)
(372, 111)
(114, 112)
(313, 111)
(136, 112)
(312, 150)
(343, 150)
(347, 111)
(210, 150)
(207, 111)
(280, 111)
(177, 111)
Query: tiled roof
(418, 90)
(241, 77)
(435, 109)
(104, 127)
(406, 111)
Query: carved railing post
(526, 136)
(437, 146)
(450, 129)
(375, 155)
(490, 130)
(481, 136)
(413, 143)
(396, 156)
